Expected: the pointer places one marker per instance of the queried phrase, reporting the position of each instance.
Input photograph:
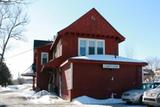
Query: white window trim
(87, 45)
(42, 53)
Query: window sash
(44, 57)
(100, 48)
(100, 51)
(44, 60)
(82, 51)
(91, 48)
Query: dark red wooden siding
(70, 45)
(42, 77)
(92, 80)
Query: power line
(28, 68)
(19, 53)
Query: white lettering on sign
(111, 66)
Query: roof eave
(96, 61)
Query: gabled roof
(39, 43)
(93, 23)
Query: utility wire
(28, 68)
(19, 53)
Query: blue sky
(137, 20)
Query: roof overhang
(52, 64)
(108, 59)
(28, 74)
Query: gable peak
(92, 22)
(93, 11)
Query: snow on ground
(109, 102)
(44, 97)
(41, 97)
(89, 100)
(14, 88)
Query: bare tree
(129, 52)
(12, 21)
(153, 63)
(11, 1)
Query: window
(100, 47)
(44, 57)
(83, 47)
(91, 46)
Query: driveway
(10, 99)
(13, 98)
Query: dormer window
(91, 47)
(44, 57)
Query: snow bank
(40, 94)
(89, 100)
(44, 97)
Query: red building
(84, 60)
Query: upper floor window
(91, 46)
(44, 57)
(83, 48)
(100, 47)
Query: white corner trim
(65, 62)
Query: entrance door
(60, 86)
(51, 84)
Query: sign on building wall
(111, 66)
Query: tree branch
(11, 26)
(12, 1)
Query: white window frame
(87, 45)
(43, 53)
